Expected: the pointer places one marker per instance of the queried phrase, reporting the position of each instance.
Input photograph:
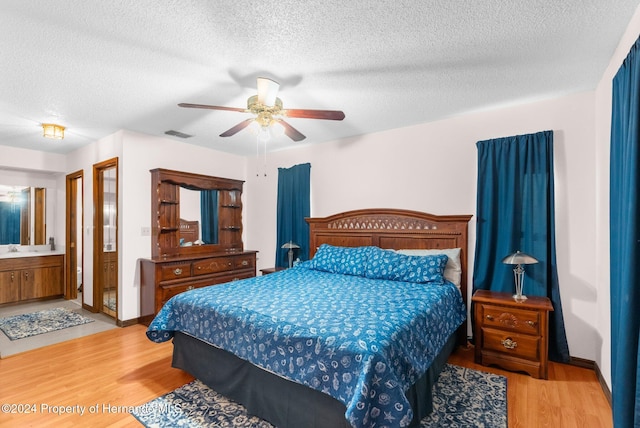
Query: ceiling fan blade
(239, 127)
(292, 132)
(205, 106)
(314, 114)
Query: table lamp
(290, 245)
(519, 258)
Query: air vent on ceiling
(178, 134)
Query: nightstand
(513, 335)
(271, 270)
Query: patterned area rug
(462, 398)
(27, 325)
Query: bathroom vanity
(31, 276)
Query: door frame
(71, 223)
(98, 233)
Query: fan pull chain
(257, 155)
(258, 139)
(265, 157)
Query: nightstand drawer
(520, 345)
(520, 320)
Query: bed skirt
(281, 402)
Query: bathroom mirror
(23, 215)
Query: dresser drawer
(519, 345)
(214, 265)
(235, 276)
(168, 291)
(171, 271)
(520, 320)
(244, 262)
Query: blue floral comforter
(363, 341)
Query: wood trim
(603, 384)
(39, 216)
(582, 362)
(98, 234)
(71, 221)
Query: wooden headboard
(393, 229)
(189, 230)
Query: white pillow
(453, 270)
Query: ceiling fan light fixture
(267, 91)
(53, 131)
(277, 130)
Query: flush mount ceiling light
(53, 131)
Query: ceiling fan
(267, 110)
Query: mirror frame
(165, 239)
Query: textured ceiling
(100, 66)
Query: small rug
(462, 398)
(27, 325)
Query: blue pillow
(385, 264)
(343, 260)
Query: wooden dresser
(174, 267)
(161, 279)
(513, 335)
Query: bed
(352, 343)
(189, 230)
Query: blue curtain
(625, 240)
(294, 205)
(9, 223)
(515, 211)
(209, 216)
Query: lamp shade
(519, 258)
(290, 245)
(267, 91)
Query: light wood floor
(107, 372)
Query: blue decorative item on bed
(355, 335)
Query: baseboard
(592, 365)
(127, 323)
(603, 384)
(582, 362)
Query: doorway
(105, 238)
(74, 240)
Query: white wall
(84, 159)
(141, 153)
(433, 167)
(602, 137)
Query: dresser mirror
(195, 213)
(23, 213)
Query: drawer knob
(244, 263)
(190, 287)
(490, 317)
(509, 344)
(531, 323)
(177, 271)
